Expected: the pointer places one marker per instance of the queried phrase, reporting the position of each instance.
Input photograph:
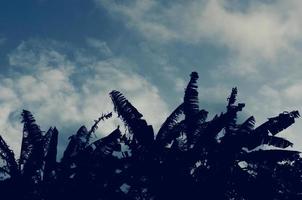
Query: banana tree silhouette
(37, 171)
(190, 157)
(196, 158)
(78, 142)
(37, 157)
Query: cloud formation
(259, 32)
(70, 90)
(261, 42)
(257, 46)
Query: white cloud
(294, 93)
(272, 99)
(67, 93)
(142, 15)
(262, 33)
(262, 40)
(261, 30)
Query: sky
(60, 59)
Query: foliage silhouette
(189, 158)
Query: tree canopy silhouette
(191, 157)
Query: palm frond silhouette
(190, 157)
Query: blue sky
(60, 58)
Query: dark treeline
(191, 157)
